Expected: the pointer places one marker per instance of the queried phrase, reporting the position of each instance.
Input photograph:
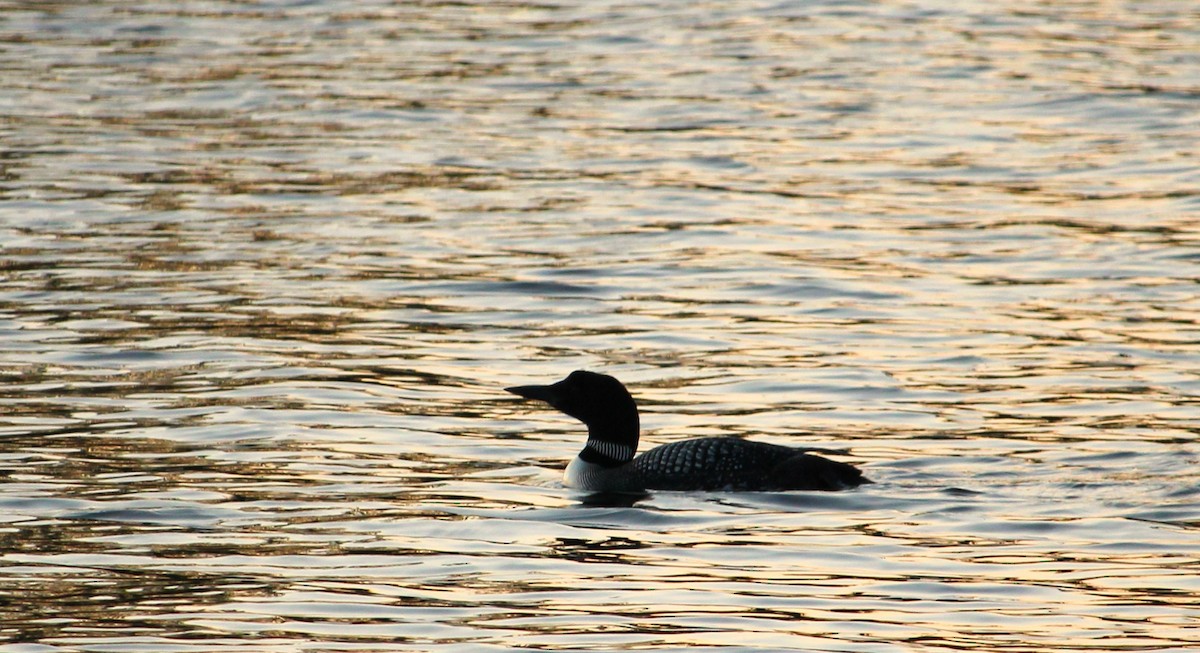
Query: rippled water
(266, 267)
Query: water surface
(266, 267)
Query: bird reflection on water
(612, 499)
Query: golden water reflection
(265, 269)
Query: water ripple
(265, 269)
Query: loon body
(607, 462)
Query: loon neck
(611, 447)
(606, 453)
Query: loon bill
(607, 462)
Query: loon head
(600, 402)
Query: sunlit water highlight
(266, 268)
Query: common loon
(607, 462)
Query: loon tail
(808, 472)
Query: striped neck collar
(605, 453)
